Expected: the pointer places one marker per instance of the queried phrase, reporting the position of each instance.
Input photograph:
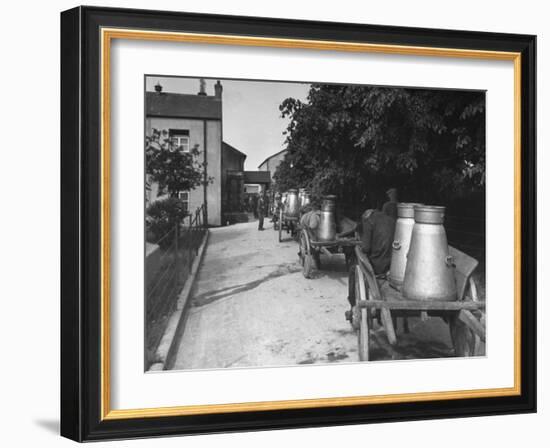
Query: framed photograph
(273, 224)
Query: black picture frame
(81, 224)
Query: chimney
(202, 90)
(218, 90)
(158, 87)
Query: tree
(356, 141)
(170, 167)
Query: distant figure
(376, 242)
(261, 210)
(390, 207)
(254, 205)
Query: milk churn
(401, 242)
(429, 274)
(301, 195)
(327, 221)
(306, 198)
(292, 208)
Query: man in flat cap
(390, 207)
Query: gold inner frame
(107, 35)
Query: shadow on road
(212, 296)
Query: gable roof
(227, 146)
(271, 156)
(182, 105)
(257, 177)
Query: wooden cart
(311, 249)
(465, 316)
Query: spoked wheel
(465, 341)
(362, 315)
(305, 254)
(281, 226)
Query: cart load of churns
(426, 278)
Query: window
(181, 143)
(184, 198)
(180, 139)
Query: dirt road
(251, 306)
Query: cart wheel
(302, 250)
(464, 339)
(305, 254)
(308, 266)
(363, 333)
(281, 226)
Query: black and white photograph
(301, 223)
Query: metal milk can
(292, 208)
(327, 221)
(301, 195)
(306, 199)
(401, 242)
(429, 274)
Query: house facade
(232, 181)
(191, 121)
(196, 120)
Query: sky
(252, 122)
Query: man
(261, 209)
(390, 207)
(254, 204)
(376, 242)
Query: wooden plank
(472, 323)
(419, 305)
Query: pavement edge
(168, 344)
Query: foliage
(162, 217)
(171, 168)
(356, 141)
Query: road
(251, 306)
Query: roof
(182, 105)
(271, 156)
(257, 177)
(227, 146)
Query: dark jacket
(390, 209)
(377, 238)
(262, 205)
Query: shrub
(161, 218)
